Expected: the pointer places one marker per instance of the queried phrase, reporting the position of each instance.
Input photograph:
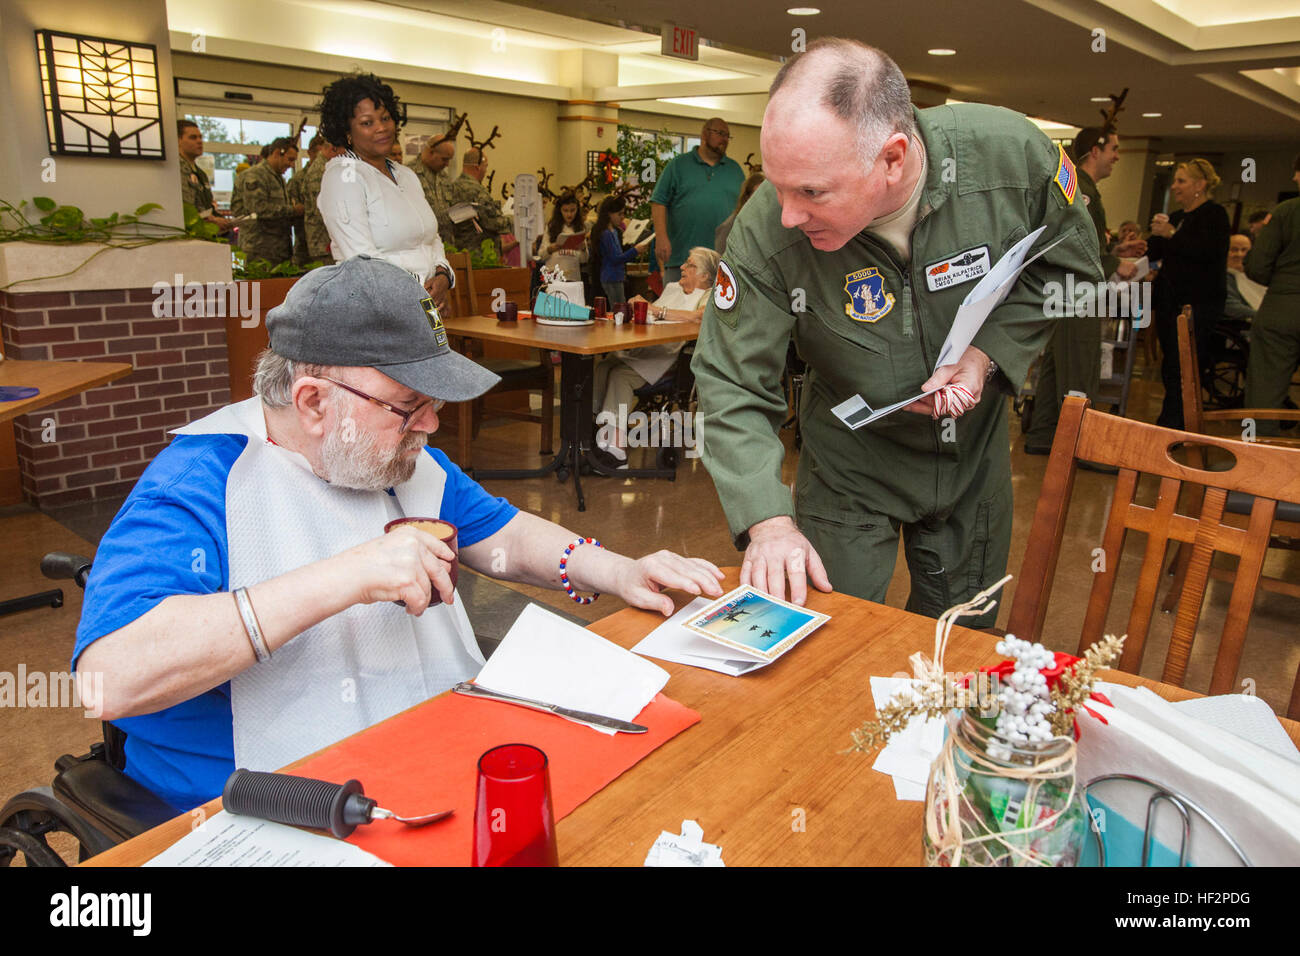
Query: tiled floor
(633, 516)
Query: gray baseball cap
(366, 311)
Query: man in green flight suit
(1275, 331)
(432, 167)
(195, 188)
(262, 192)
(1072, 360)
(875, 222)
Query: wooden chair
(1268, 473)
(517, 374)
(1286, 522)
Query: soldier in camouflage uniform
(432, 166)
(316, 236)
(294, 191)
(469, 188)
(261, 192)
(195, 188)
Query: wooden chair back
(1195, 417)
(1268, 473)
(464, 297)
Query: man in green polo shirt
(696, 192)
(875, 222)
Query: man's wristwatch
(993, 370)
(444, 271)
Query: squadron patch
(868, 300)
(964, 266)
(1065, 176)
(724, 288)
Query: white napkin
(685, 849)
(546, 658)
(908, 755)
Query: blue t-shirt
(170, 538)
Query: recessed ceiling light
(1100, 99)
(1191, 126)
(1152, 115)
(803, 11)
(939, 51)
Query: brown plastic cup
(444, 531)
(639, 310)
(599, 306)
(509, 312)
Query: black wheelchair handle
(62, 564)
(298, 801)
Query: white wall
(98, 186)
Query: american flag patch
(1065, 176)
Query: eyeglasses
(719, 132)
(402, 413)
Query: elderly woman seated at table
(619, 374)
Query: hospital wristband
(251, 627)
(564, 574)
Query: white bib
(365, 663)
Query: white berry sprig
(1026, 704)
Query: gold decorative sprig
(1076, 684)
(933, 699)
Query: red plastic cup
(514, 824)
(444, 531)
(639, 310)
(509, 312)
(598, 307)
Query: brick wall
(104, 438)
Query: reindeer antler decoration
(453, 130)
(1109, 117)
(752, 168)
(481, 145)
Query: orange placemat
(427, 760)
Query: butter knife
(473, 690)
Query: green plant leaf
(44, 203)
(148, 208)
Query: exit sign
(681, 42)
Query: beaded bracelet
(564, 574)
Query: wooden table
(578, 348)
(766, 757)
(56, 381)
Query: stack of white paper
(546, 658)
(908, 755)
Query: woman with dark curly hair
(370, 204)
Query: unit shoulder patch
(725, 291)
(1066, 179)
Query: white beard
(358, 463)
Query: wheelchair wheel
(30, 817)
(1225, 384)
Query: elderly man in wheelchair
(250, 604)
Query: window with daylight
(101, 96)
